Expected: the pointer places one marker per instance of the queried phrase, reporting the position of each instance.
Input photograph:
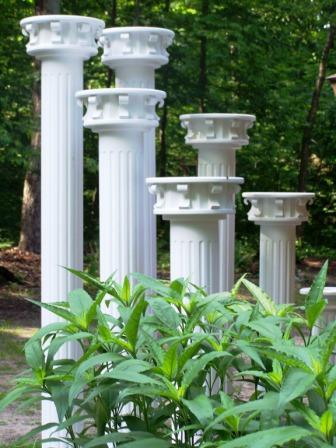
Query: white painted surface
(194, 251)
(278, 214)
(134, 53)
(121, 117)
(194, 205)
(217, 137)
(62, 43)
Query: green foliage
(156, 375)
(261, 57)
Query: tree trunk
(311, 117)
(164, 119)
(137, 12)
(30, 234)
(112, 23)
(203, 59)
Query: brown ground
(19, 319)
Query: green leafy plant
(182, 368)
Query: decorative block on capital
(211, 197)
(277, 207)
(226, 130)
(143, 45)
(62, 35)
(108, 109)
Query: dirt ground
(19, 319)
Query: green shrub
(168, 371)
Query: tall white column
(194, 205)
(278, 214)
(121, 117)
(135, 53)
(217, 137)
(62, 44)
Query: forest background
(262, 57)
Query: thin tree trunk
(203, 59)
(137, 13)
(162, 133)
(113, 19)
(164, 119)
(30, 234)
(311, 117)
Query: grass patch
(12, 341)
(14, 445)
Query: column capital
(120, 109)
(206, 197)
(217, 130)
(139, 44)
(62, 36)
(278, 207)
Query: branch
(311, 116)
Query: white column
(278, 214)
(62, 43)
(194, 205)
(217, 137)
(121, 117)
(194, 251)
(135, 53)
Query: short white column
(217, 137)
(120, 117)
(135, 53)
(194, 205)
(278, 214)
(62, 43)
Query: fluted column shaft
(216, 162)
(61, 183)
(278, 214)
(123, 207)
(212, 163)
(61, 195)
(144, 77)
(194, 251)
(277, 261)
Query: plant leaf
(132, 326)
(80, 302)
(295, 384)
(194, 366)
(170, 361)
(327, 423)
(165, 313)
(34, 355)
(261, 297)
(12, 396)
(268, 438)
(314, 299)
(201, 407)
